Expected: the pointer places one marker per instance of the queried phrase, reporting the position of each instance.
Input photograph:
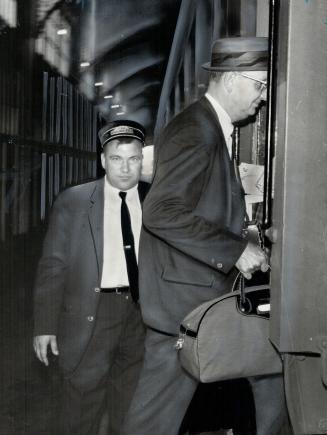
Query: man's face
(248, 92)
(122, 163)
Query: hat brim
(208, 67)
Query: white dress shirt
(225, 122)
(114, 272)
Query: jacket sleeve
(169, 208)
(51, 272)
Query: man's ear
(228, 80)
(103, 160)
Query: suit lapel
(234, 186)
(143, 189)
(206, 105)
(96, 213)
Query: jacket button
(90, 318)
(97, 289)
(219, 265)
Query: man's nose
(125, 166)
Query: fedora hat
(239, 54)
(122, 128)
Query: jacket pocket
(188, 276)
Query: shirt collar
(224, 118)
(112, 192)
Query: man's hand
(41, 343)
(252, 259)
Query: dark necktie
(129, 249)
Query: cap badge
(122, 129)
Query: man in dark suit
(195, 240)
(86, 291)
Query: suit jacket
(193, 217)
(69, 273)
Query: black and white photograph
(163, 215)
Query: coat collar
(95, 215)
(228, 164)
(210, 111)
(97, 193)
(143, 189)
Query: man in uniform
(86, 290)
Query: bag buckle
(179, 343)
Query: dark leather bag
(227, 337)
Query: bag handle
(244, 304)
(255, 233)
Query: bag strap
(255, 233)
(241, 287)
(159, 331)
(244, 304)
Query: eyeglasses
(260, 85)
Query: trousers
(106, 376)
(165, 390)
